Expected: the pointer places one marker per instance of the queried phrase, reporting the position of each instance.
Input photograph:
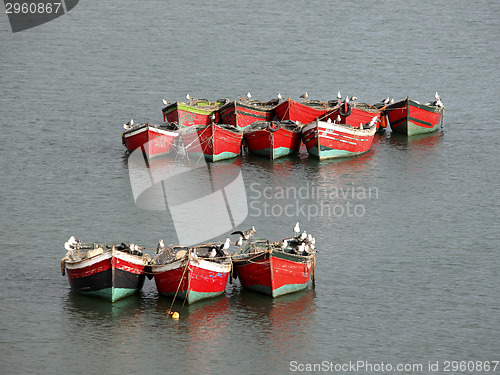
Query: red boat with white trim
(410, 117)
(196, 112)
(107, 270)
(154, 139)
(191, 274)
(355, 113)
(265, 267)
(215, 141)
(273, 139)
(242, 113)
(302, 112)
(327, 139)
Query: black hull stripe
(103, 280)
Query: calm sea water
(410, 276)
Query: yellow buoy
(175, 315)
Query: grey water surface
(407, 234)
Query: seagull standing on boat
(239, 242)
(436, 96)
(220, 251)
(296, 228)
(249, 95)
(303, 236)
(160, 247)
(283, 244)
(353, 98)
(304, 95)
(386, 101)
(339, 97)
(165, 102)
(280, 97)
(129, 124)
(338, 119)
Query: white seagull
(280, 97)
(436, 96)
(129, 124)
(165, 102)
(338, 95)
(303, 236)
(239, 242)
(160, 247)
(296, 228)
(305, 95)
(249, 95)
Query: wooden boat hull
(273, 272)
(327, 140)
(216, 142)
(299, 112)
(191, 280)
(409, 117)
(360, 113)
(273, 141)
(154, 140)
(242, 114)
(188, 115)
(112, 275)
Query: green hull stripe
(278, 153)
(112, 294)
(328, 153)
(221, 156)
(193, 296)
(285, 289)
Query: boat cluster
(192, 273)
(222, 129)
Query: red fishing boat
(273, 139)
(356, 113)
(410, 117)
(271, 269)
(155, 139)
(191, 274)
(327, 139)
(303, 112)
(215, 141)
(107, 270)
(242, 113)
(195, 112)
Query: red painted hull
(273, 140)
(361, 113)
(216, 142)
(274, 272)
(153, 139)
(242, 115)
(410, 117)
(191, 280)
(299, 112)
(185, 115)
(111, 275)
(327, 140)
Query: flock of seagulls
(303, 243)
